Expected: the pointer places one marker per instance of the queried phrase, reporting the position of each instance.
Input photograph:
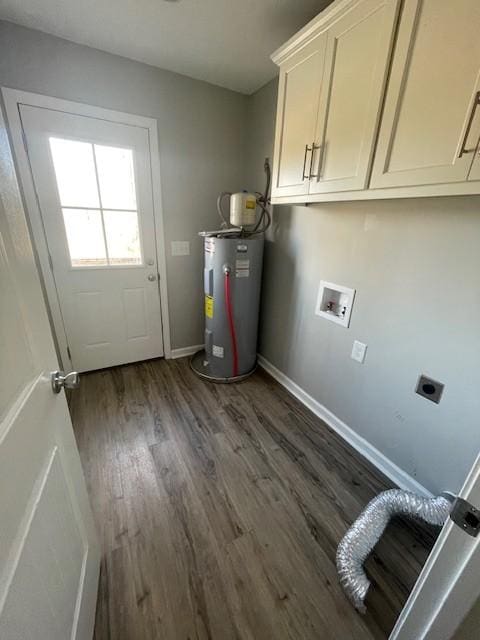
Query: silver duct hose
(367, 530)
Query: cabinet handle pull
(314, 148)
(307, 149)
(476, 102)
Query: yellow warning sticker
(251, 204)
(209, 306)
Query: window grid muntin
(116, 262)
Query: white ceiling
(226, 42)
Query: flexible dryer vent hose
(368, 528)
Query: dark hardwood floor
(219, 509)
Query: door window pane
(116, 177)
(75, 173)
(123, 242)
(85, 237)
(96, 185)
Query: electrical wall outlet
(180, 247)
(359, 350)
(429, 388)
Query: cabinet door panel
(298, 96)
(431, 92)
(358, 51)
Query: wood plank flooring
(219, 509)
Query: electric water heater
(232, 282)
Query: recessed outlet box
(429, 388)
(180, 248)
(335, 302)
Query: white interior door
(49, 556)
(449, 583)
(94, 190)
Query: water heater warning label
(242, 268)
(209, 306)
(217, 351)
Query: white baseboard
(364, 448)
(185, 351)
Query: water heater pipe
(231, 323)
(367, 529)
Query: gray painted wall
(415, 265)
(201, 138)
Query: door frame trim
(12, 99)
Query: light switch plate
(359, 350)
(180, 247)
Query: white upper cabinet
(356, 65)
(431, 122)
(299, 90)
(380, 99)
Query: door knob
(152, 277)
(60, 380)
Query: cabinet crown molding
(311, 29)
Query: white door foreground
(93, 183)
(49, 556)
(449, 583)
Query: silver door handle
(307, 149)
(476, 102)
(61, 381)
(314, 148)
(152, 277)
